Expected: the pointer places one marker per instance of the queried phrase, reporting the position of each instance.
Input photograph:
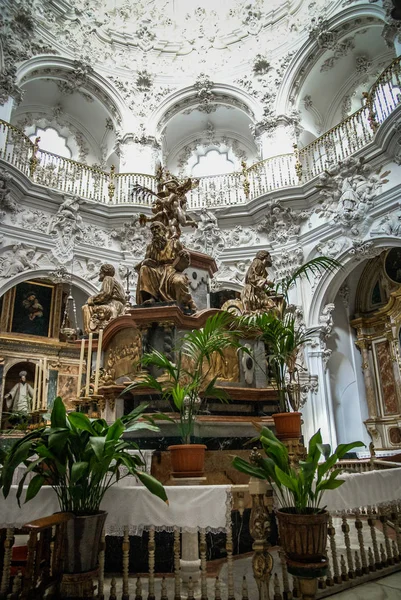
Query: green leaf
(34, 486)
(98, 443)
(80, 422)
(115, 430)
(286, 480)
(344, 448)
(58, 416)
(78, 470)
(242, 465)
(153, 485)
(143, 425)
(325, 449)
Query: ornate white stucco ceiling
(177, 39)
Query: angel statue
(170, 204)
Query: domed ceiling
(175, 38)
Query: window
(213, 163)
(52, 141)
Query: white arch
(330, 283)
(32, 69)
(185, 97)
(348, 14)
(86, 286)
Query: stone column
(6, 109)
(278, 138)
(369, 380)
(137, 154)
(318, 411)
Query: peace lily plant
(80, 458)
(298, 490)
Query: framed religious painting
(32, 308)
(392, 265)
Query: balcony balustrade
(275, 173)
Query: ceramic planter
(287, 425)
(187, 460)
(82, 540)
(303, 537)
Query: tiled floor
(388, 588)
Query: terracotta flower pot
(82, 540)
(187, 460)
(303, 537)
(287, 425)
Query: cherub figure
(170, 205)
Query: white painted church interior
(274, 128)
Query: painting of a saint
(33, 306)
(392, 265)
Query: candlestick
(88, 364)
(44, 394)
(35, 383)
(81, 367)
(98, 354)
(39, 386)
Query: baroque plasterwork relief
(280, 224)
(20, 258)
(348, 190)
(20, 41)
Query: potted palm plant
(299, 491)
(284, 337)
(187, 382)
(80, 459)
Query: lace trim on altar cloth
(138, 530)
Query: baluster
(329, 575)
(361, 541)
(177, 569)
(138, 589)
(244, 590)
(276, 588)
(358, 566)
(202, 552)
(395, 517)
(125, 549)
(163, 594)
(229, 549)
(371, 558)
(371, 523)
(322, 583)
(113, 589)
(17, 586)
(343, 566)
(8, 545)
(332, 536)
(383, 520)
(190, 595)
(383, 557)
(295, 588)
(345, 530)
(396, 558)
(262, 562)
(29, 582)
(102, 551)
(217, 591)
(151, 552)
(284, 573)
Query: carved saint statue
(254, 295)
(19, 398)
(160, 274)
(170, 204)
(105, 306)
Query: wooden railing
(278, 172)
(363, 544)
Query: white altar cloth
(191, 508)
(371, 488)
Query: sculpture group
(161, 273)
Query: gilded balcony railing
(278, 172)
